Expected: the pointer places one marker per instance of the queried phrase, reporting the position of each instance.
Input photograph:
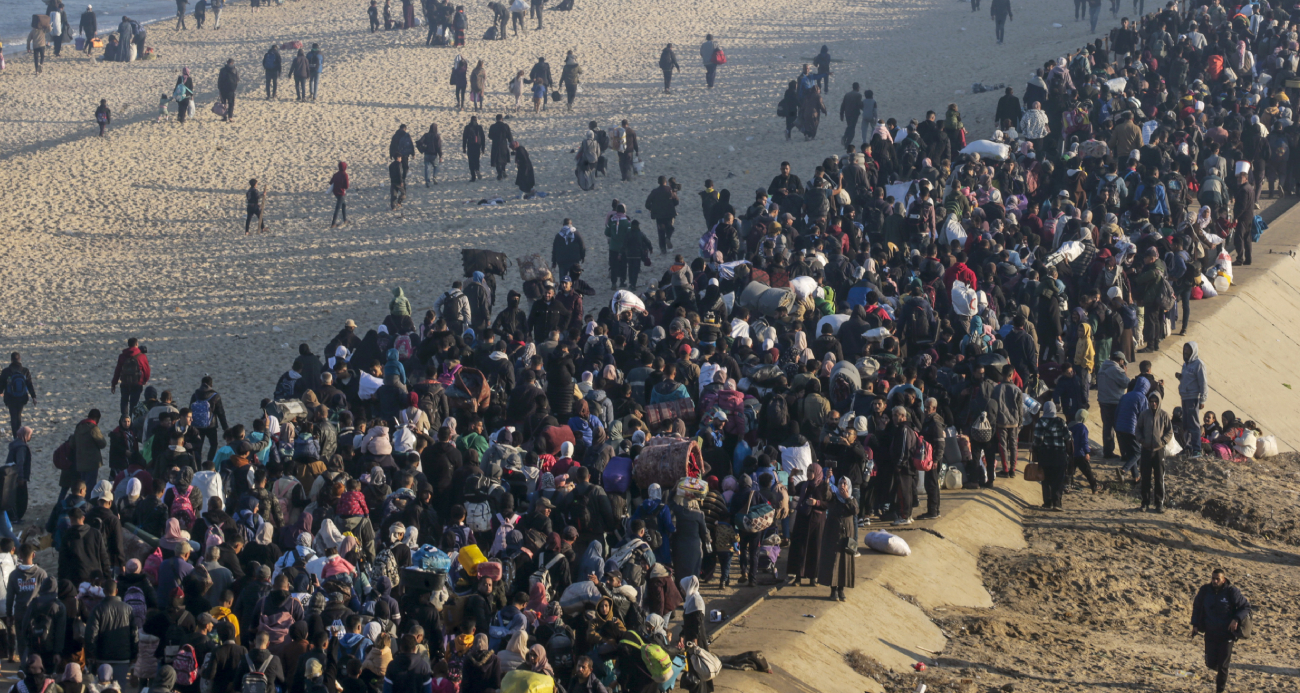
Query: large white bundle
(739, 328)
(369, 383)
(1208, 289)
(626, 300)
(836, 321)
(952, 230)
(965, 301)
(727, 270)
(579, 594)
(803, 287)
(1068, 252)
(1117, 85)
(1266, 446)
(884, 542)
(988, 149)
(1245, 444)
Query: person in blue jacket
(1126, 415)
(1218, 611)
(653, 509)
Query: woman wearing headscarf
(809, 522)
(127, 498)
(587, 427)
(788, 106)
(482, 670)
(810, 112)
(836, 568)
(71, 681)
(515, 652)
(592, 562)
(897, 441)
(537, 662)
(695, 623)
(525, 178)
(691, 540)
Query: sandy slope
(138, 234)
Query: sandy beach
(140, 233)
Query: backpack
(17, 386)
(709, 243)
(183, 510)
(202, 412)
(385, 565)
(39, 627)
(778, 412)
(139, 605)
(655, 659)
(65, 456)
(1167, 296)
(449, 311)
(543, 574)
(719, 58)
(186, 664)
(498, 632)
(277, 627)
(479, 516)
(922, 455)
(403, 346)
(255, 680)
(131, 371)
(579, 511)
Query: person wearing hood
(570, 76)
(1053, 448)
(454, 308)
(339, 187)
(88, 442)
(835, 567)
(1130, 408)
(473, 144)
(500, 135)
(1154, 431)
(481, 300)
(1193, 388)
(525, 176)
(99, 512)
(16, 384)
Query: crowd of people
(901, 321)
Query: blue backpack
(17, 386)
(201, 410)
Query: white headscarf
(691, 599)
(655, 492)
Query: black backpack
(580, 510)
(778, 412)
(40, 630)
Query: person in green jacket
(616, 230)
(400, 306)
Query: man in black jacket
(111, 635)
(82, 554)
(100, 516)
(208, 411)
(45, 625)
(227, 83)
(598, 509)
(662, 205)
(1000, 10)
(16, 384)
(1219, 611)
(89, 26)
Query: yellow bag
(520, 681)
(469, 558)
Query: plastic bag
(1208, 289)
(884, 542)
(988, 149)
(803, 287)
(1173, 448)
(1221, 284)
(1245, 444)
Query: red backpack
(183, 510)
(186, 664)
(922, 455)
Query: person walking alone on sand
(253, 200)
(1219, 611)
(525, 180)
(272, 64)
(430, 145)
(710, 52)
(668, 63)
(339, 186)
(227, 84)
(1000, 11)
(103, 116)
(501, 137)
(478, 85)
(473, 143)
(570, 77)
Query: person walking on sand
(810, 112)
(89, 27)
(132, 372)
(473, 142)
(1000, 11)
(850, 111)
(478, 85)
(253, 200)
(36, 43)
(630, 151)
(711, 54)
(401, 148)
(668, 63)
(103, 116)
(662, 205)
(272, 64)
(374, 16)
(339, 186)
(1154, 431)
(516, 88)
(1193, 387)
(460, 79)
(501, 137)
(396, 185)
(1222, 613)
(16, 384)
(180, 15)
(183, 94)
(525, 179)
(570, 78)
(315, 66)
(300, 70)
(430, 145)
(542, 71)
(539, 96)
(823, 64)
(217, 6)
(227, 84)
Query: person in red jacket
(132, 373)
(959, 271)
